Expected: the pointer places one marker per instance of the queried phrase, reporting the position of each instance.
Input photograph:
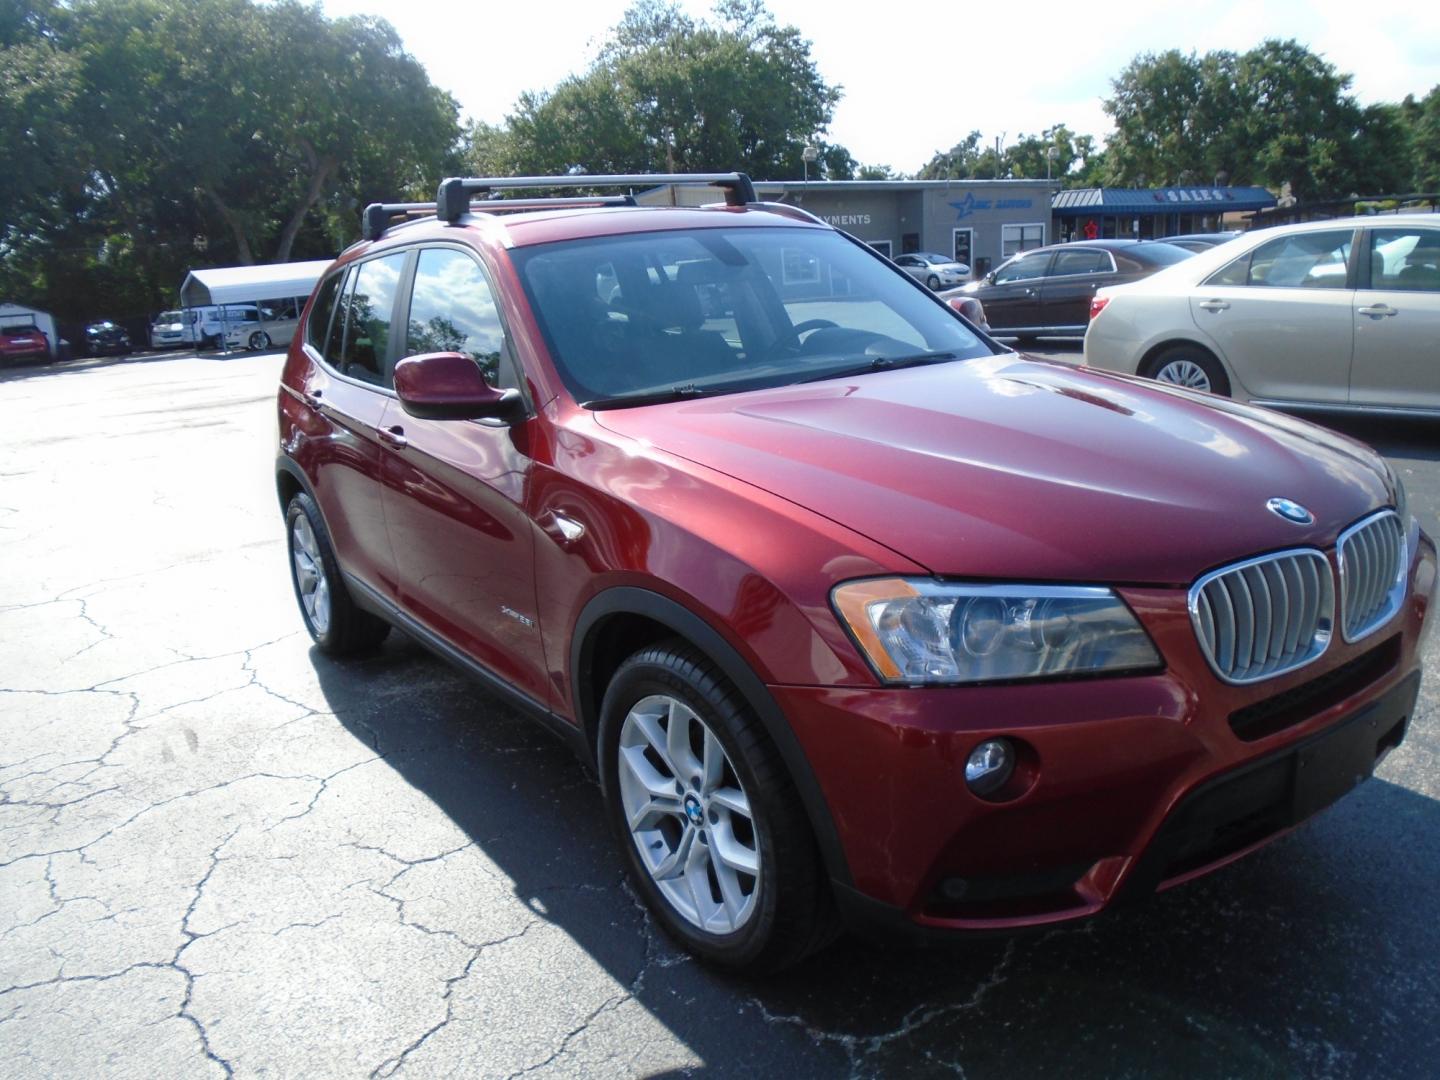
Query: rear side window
(321, 311)
(453, 310)
(1405, 259)
(1081, 262)
(368, 307)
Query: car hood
(1010, 467)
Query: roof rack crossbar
(378, 216)
(453, 198)
(495, 204)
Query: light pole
(809, 154)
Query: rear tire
(1190, 366)
(698, 797)
(337, 625)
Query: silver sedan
(1328, 315)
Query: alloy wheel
(310, 579)
(688, 815)
(1185, 373)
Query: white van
(256, 327)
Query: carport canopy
(247, 284)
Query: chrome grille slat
(1264, 616)
(1372, 557)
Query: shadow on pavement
(1315, 956)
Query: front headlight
(917, 630)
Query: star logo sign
(965, 207)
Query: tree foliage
(668, 93)
(153, 128)
(1056, 152)
(1275, 115)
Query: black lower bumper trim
(1246, 805)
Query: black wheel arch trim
(632, 600)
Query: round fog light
(989, 766)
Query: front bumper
(1136, 783)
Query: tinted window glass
(320, 312)
(1304, 260)
(1158, 254)
(453, 310)
(1080, 262)
(1236, 273)
(727, 309)
(369, 304)
(1031, 266)
(1406, 259)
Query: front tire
(712, 832)
(933, 282)
(259, 341)
(337, 625)
(1192, 367)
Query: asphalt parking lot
(222, 853)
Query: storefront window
(1016, 238)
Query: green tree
(673, 94)
(1422, 122)
(1073, 162)
(161, 133)
(1276, 114)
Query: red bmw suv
(859, 616)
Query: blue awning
(1089, 202)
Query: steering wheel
(812, 324)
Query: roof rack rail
(378, 216)
(453, 198)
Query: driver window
(453, 310)
(1022, 269)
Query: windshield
(722, 310)
(168, 317)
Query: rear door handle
(1378, 310)
(1215, 305)
(394, 435)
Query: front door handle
(1215, 305)
(1378, 310)
(311, 398)
(394, 436)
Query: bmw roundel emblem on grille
(1290, 511)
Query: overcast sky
(918, 76)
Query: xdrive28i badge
(1290, 511)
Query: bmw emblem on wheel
(1290, 511)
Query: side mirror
(990, 277)
(450, 386)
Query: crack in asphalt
(859, 1047)
(390, 1066)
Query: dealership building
(980, 222)
(983, 222)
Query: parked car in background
(1047, 291)
(1201, 241)
(853, 611)
(106, 338)
(168, 330)
(1327, 314)
(936, 271)
(22, 341)
(967, 305)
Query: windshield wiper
(883, 363)
(654, 397)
